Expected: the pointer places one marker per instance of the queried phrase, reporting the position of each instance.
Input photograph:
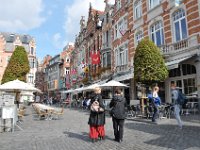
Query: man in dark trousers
(118, 104)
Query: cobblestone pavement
(71, 133)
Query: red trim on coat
(96, 131)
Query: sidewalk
(71, 133)
(187, 119)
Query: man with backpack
(177, 100)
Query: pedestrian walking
(175, 96)
(117, 106)
(155, 101)
(97, 116)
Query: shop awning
(174, 63)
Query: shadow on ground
(81, 136)
(170, 136)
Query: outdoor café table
(48, 109)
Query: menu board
(8, 99)
(8, 112)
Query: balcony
(180, 46)
(122, 68)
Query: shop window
(178, 84)
(175, 72)
(188, 69)
(189, 86)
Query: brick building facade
(172, 25)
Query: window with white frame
(67, 71)
(178, 2)
(107, 38)
(157, 35)
(32, 63)
(121, 55)
(116, 31)
(138, 36)
(67, 59)
(138, 9)
(153, 3)
(126, 53)
(30, 78)
(106, 59)
(125, 23)
(118, 3)
(180, 28)
(121, 27)
(8, 59)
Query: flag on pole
(95, 57)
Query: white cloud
(58, 41)
(20, 15)
(76, 10)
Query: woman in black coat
(97, 117)
(118, 104)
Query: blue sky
(53, 23)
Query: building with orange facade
(8, 43)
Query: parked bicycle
(133, 111)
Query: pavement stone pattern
(70, 132)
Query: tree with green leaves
(18, 66)
(149, 65)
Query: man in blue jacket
(175, 95)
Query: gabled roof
(11, 37)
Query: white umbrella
(17, 85)
(69, 91)
(79, 89)
(113, 83)
(92, 87)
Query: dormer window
(11, 38)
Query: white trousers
(177, 115)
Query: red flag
(95, 58)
